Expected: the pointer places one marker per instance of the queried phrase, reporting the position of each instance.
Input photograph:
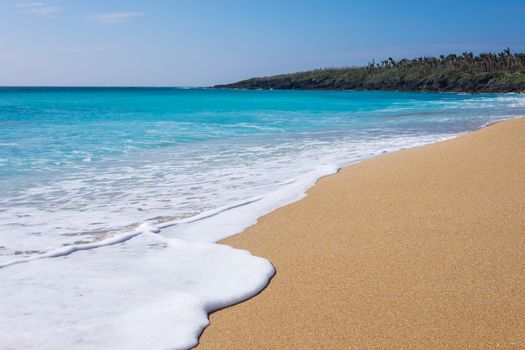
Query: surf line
(144, 228)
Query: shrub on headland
(486, 72)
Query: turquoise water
(79, 164)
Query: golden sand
(423, 248)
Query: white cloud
(114, 17)
(40, 8)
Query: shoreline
(369, 90)
(226, 321)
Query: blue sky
(205, 42)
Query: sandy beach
(422, 248)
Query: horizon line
(107, 86)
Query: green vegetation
(487, 72)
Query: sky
(207, 42)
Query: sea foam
(133, 298)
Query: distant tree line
(505, 62)
(486, 72)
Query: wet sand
(423, 248)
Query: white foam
(67, 250)
(133, 298)
(224, 223)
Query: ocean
(112, 199)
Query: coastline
(416, 248)
(174, 202)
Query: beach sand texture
(423, 248)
